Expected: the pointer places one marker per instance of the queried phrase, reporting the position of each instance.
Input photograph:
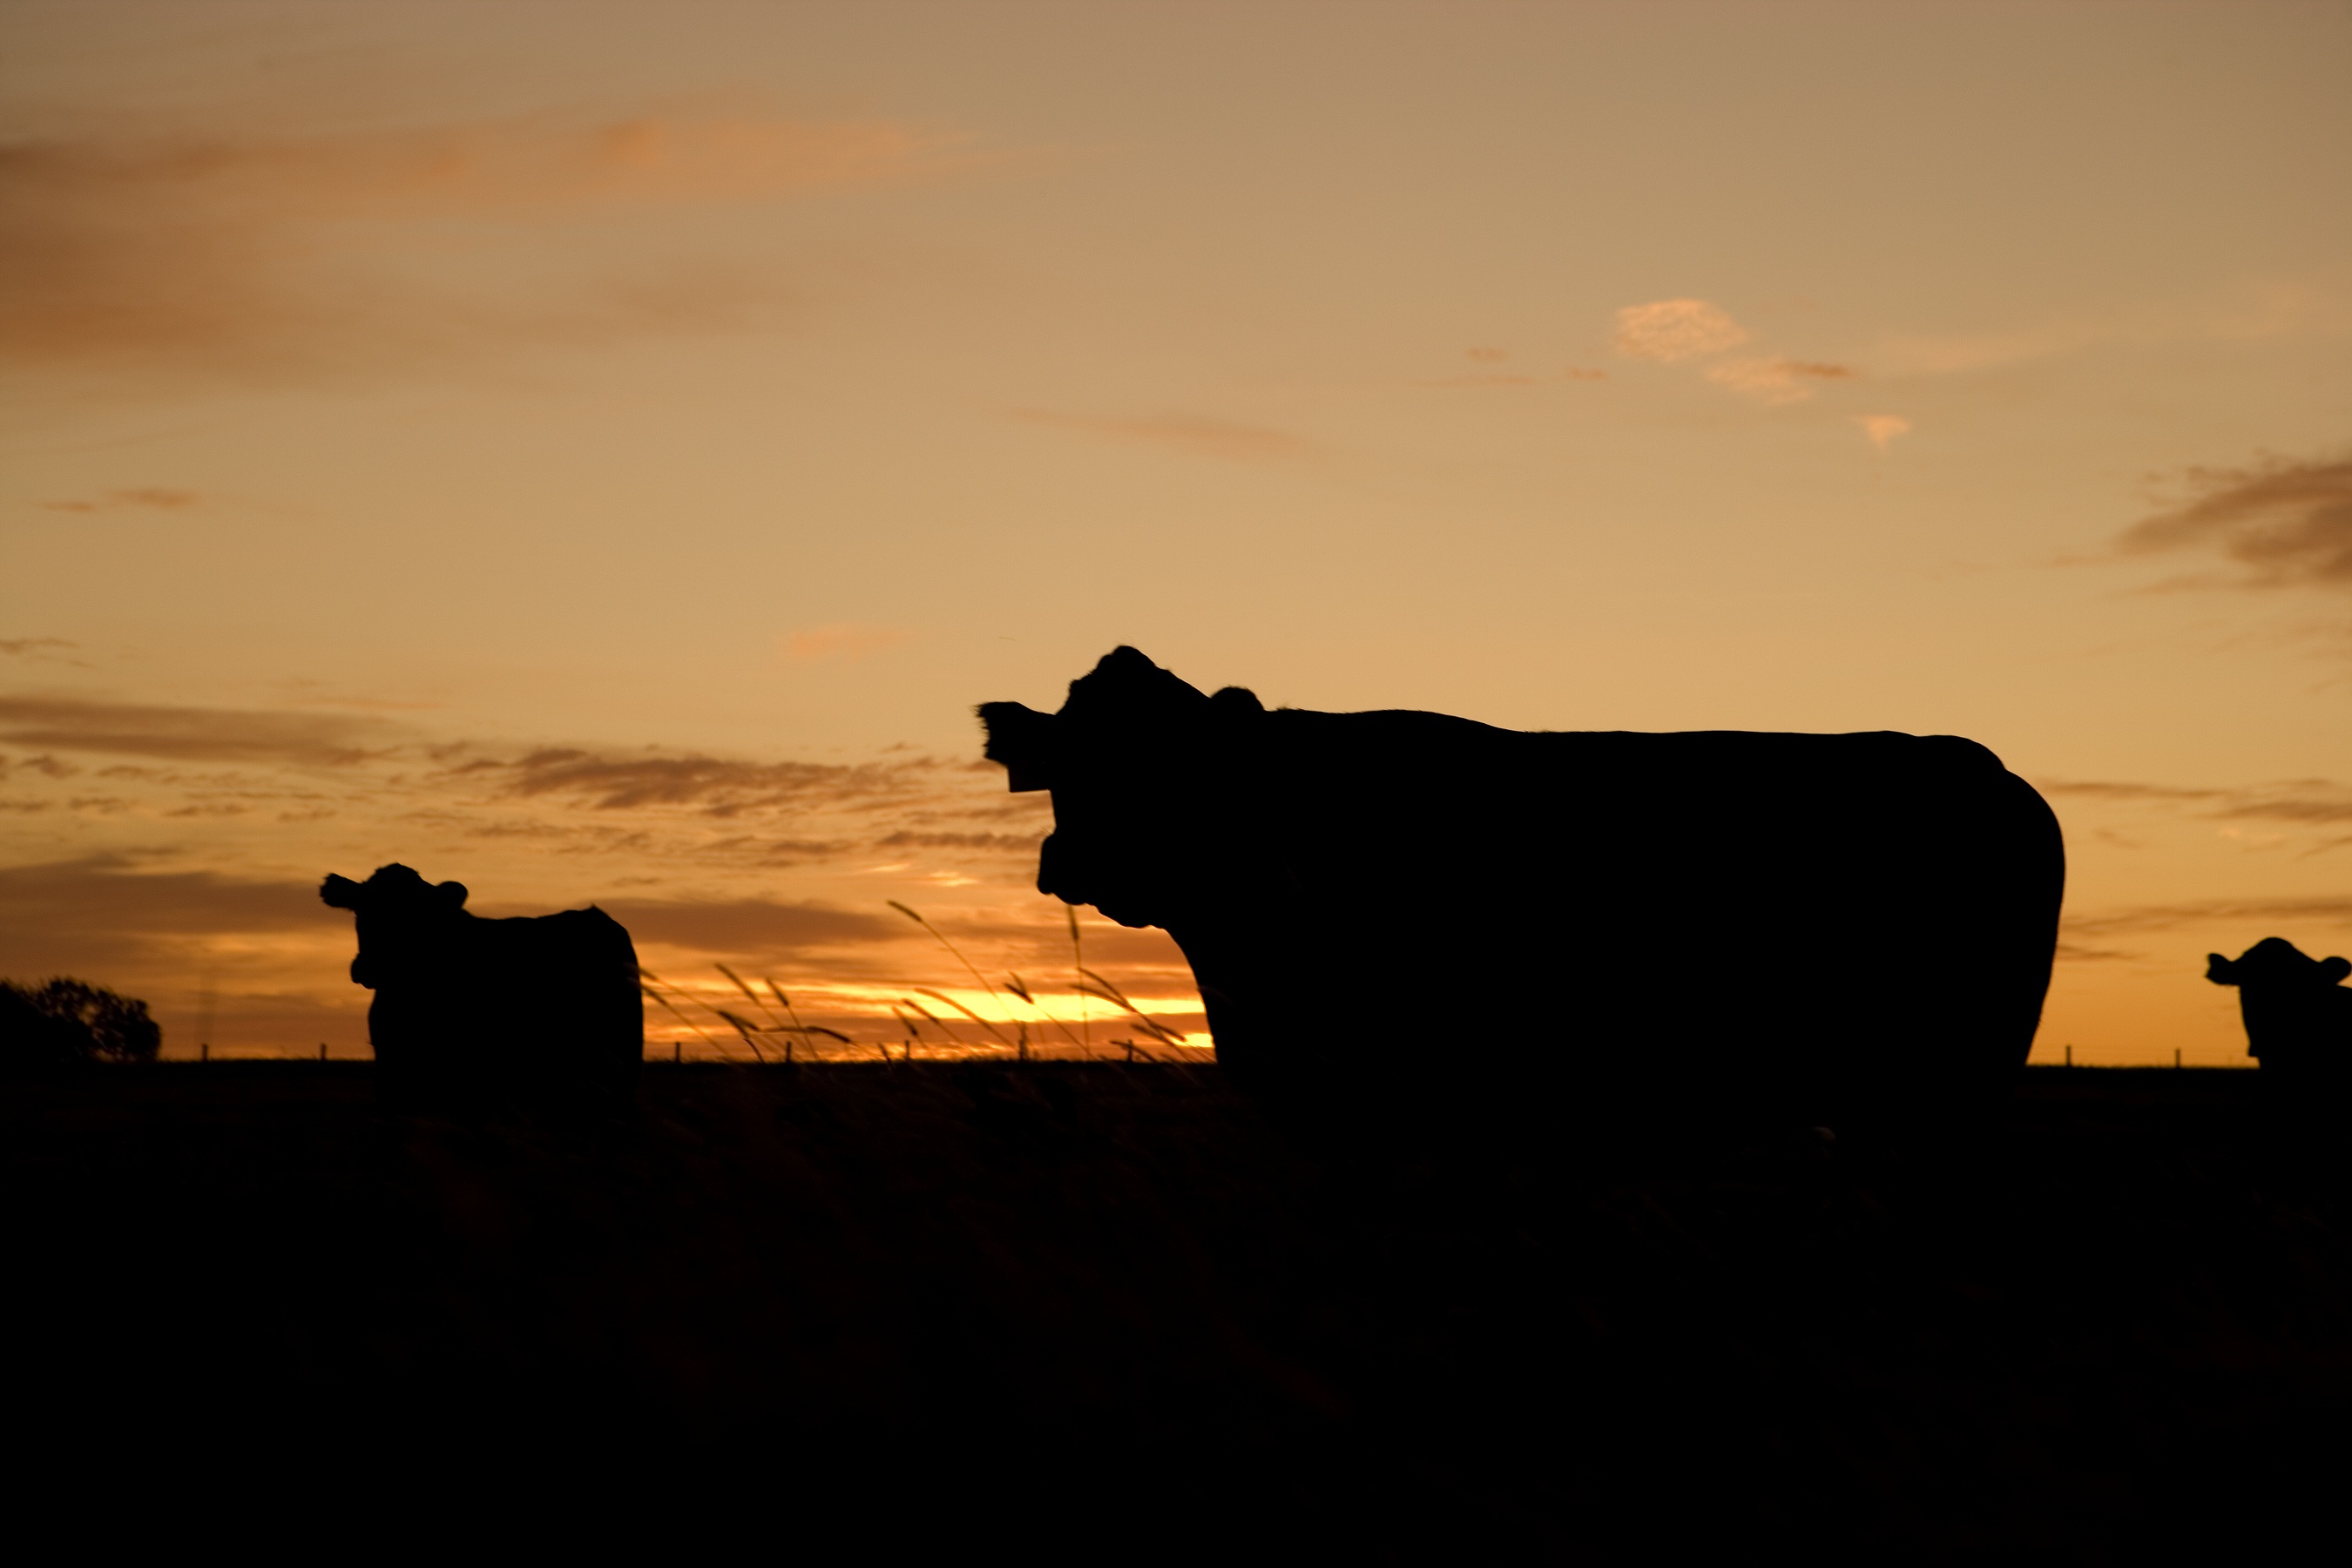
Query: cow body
(2298, 1014)
(1820, 923)
(459, 996)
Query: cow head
(401, 918)
(2276, 962)
(1133, 760)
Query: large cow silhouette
(2298, 1014)
(1824, 925)
(459, 996)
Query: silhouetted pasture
(1034, 1304)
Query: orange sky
(603, 452)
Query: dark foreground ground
(1047, 1302)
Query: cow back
(1825, 919)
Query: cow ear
(1024, 741)
(339, 892)
(2220, 970)
(2333, 970)
(451, 893)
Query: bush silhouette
(64, 1022)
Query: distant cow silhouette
(1822, 924)
(2298, 1015)
(459, 996)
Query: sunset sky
(603, 452)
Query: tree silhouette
(64, 1022)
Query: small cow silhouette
(460, 996)
(2298, 1017)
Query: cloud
(2313, 801)
(1883, 428)
(258, 256)
(1019, 843)
(1672, 330)
(38, 650)
(843, 641)
(47, 766)
(2305, 803)
(2096, 789)
(191, 734)
(761, 927)
(1958, 353)
(2287, 521)
(97, 915)
(2212, 911)
(1196, 434)
(2272, 309)
(153, 498)
(1488, 381)
(1776, 381)
(717, 786)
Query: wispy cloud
(100, 913)
(1777, 380)
(191, 734)
(845, 640)
(2249, 912)
(1883, 428)
(2311, 800)
(47, 766)
(1681, 332)
(1195, 434)
(150, 498)
(1511, 378)
(2286, 522)
(2306, 814)
(40, 650)
(1673, 331)
(2272, 309)
(1953, 354)
(717, 786)
(1488, 380)
(248, 253)
(759, 929)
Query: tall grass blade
(1161, 1031)
(681, 1018)
(1020, 988)
(747, 1030)
(1113, 994)
(1078, 962)
(786, 1004)
(938, 996)
(937, 1022)
(767, 1019)
(942, 939)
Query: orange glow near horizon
(602, 454)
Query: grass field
(2121, 1316)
